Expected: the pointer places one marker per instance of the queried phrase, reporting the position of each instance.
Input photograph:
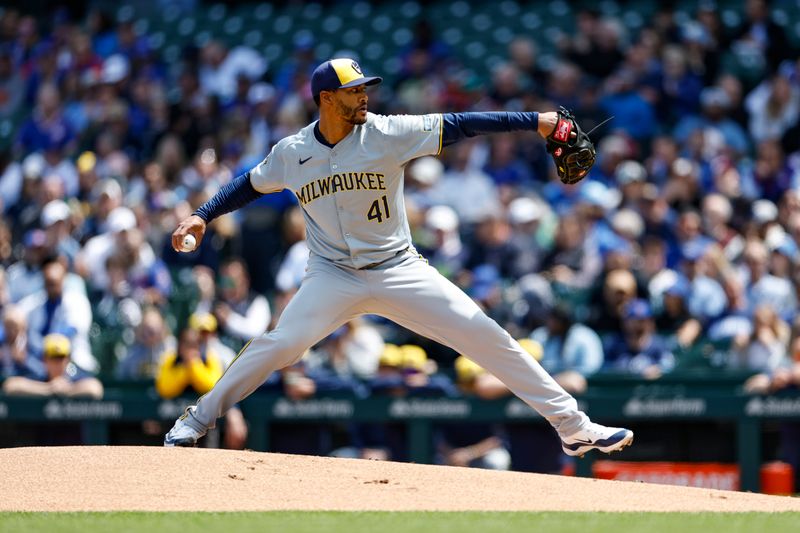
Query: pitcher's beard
(350, 114)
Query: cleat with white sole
(596, 437)
(182, 433)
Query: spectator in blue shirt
(639, 350)
(706, 299)
(770, 175)
(765, 350)
(716, 107)
(763, 287)
(675, 317)
(153, 339)
(679, 86)
(16, 358)
(571, 351)
(504, 165)
(47, 127)
(633, 113)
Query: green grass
(385, 522)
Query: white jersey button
(334, 166)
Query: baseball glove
(574, 155)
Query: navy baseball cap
(339, 74)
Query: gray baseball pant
(410, 292)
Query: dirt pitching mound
(104, 478)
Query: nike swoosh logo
(583, 441)
(301, 161)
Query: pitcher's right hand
(193, 225)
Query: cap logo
(355, 67)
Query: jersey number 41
(375, 212)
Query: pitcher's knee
(284, 349)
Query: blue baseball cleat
(182, 434)
(596, 437)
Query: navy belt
(379, 263)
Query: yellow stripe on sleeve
(441, 133)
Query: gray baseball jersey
(352, 194)
(352, 198)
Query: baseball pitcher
(346, 170)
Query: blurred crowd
(679, 252)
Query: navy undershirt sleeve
(238, 193)
(458, 126)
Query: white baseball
(189, 243)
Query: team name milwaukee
(351, 181)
